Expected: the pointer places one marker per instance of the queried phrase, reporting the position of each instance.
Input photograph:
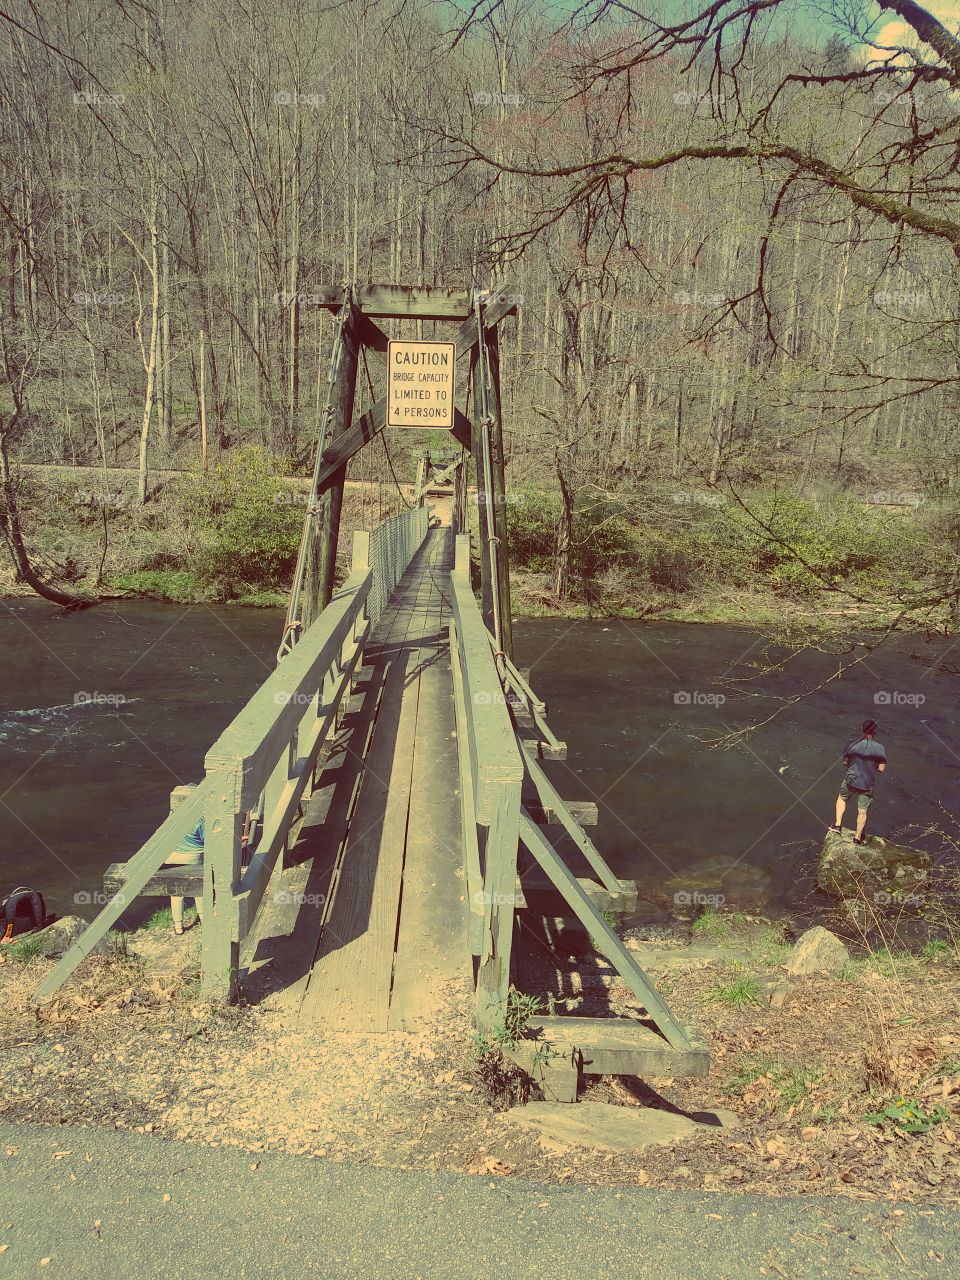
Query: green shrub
(602, 537)
(532, 523)
(800, 546)
(242, 526)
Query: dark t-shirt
(864, 755)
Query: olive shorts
(863, 797)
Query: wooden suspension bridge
(377, 813)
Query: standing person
(188, 853)
(863, 758)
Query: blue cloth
(863, 755)
(192, 842)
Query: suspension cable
(383, 438)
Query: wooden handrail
(491, 763)
(264, 759)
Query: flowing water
(102, 712)
(643, 706)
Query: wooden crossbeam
(177, 881)
(562, 812)
(407, 301)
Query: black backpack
(14, 904)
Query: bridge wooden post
(483, 502)
(322, 562)
(222, 861)
(498, 498)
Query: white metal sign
(420, 384)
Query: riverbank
(814, 566)
(130, 1046)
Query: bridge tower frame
(342, 435)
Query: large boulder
(818, 951)
(60, 936)
(877, 871)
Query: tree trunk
(12, 532)
(564, 550)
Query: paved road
(130, 1205)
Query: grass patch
(179, 586)
(739, 993)
(769, 947)
(26, 950)
(934, 948)
(791, 1084)
(161, 919)
(712, 924)
(909, 1115)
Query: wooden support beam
(584, 812)
(139, 870)
(608, 943)
(550, 800)
(327, 527)
(483, 498)
(410, 301)
(497, 499)
(556, 1071)
(620, 1047)
(540, 750)
(370, 334)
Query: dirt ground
(131, 1046)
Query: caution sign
(420, 384)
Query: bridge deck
(381, 833)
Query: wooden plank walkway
(394, 924)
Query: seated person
(188, 853)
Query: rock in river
(878, 870)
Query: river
(103, 711)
